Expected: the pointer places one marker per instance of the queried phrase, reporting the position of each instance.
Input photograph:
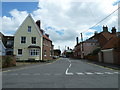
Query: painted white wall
(23, 31)
(108, 56)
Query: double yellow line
(103, 67)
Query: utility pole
(65, 47)
(82, 47)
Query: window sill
(19, 55)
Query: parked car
(55, 57)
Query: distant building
(99, 40)
(8, 42)
(57, 52)
(2, 48)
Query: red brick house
(110, 53)
(95, 42)
(77, 51)
(47, 48)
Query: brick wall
(47, 45)
(116, 57)
(92, 57)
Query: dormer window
(29, 28)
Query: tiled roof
(44, 36)
(107, 35)
(42, 32)
(113, 42)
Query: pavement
(63, 73)
(105, 65)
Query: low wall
(8, 61)
(117, 57)
(92, 57)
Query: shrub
(96, 51)
(8, 61)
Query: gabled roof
(112, 43)
(43, 33)
(44, 36)
(32, 22)
(107, 35)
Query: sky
(63, 20)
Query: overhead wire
(102, 20)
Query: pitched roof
(42, 32)
(112, 43)
(44, 36)
(29, 16)
(107, 35)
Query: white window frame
(25, 39)
(30, 29)
(34, 52)
(45, 52)
(33, 43)
(19, 54)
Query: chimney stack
(68, 48)
(113, 30)
(105, 29)
(38, 24)
(77, 40)
(47, 35)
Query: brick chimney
(105, 29)
(113, 30)
(47, 35)
(38, 24)
(68, 48)
(77, 40)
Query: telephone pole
(82, 47)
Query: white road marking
(108, 73)
(89, 73)
(69, 73)
(66, 72)
(116, 72)
(99, 73)
(80, 73)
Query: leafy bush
(8, 61)
(96, 51)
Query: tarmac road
(64, 73)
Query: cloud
(10, 24)
(64, 20)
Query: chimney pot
(77, 40)
(105, 29)
(38, 24)
(113, 30)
